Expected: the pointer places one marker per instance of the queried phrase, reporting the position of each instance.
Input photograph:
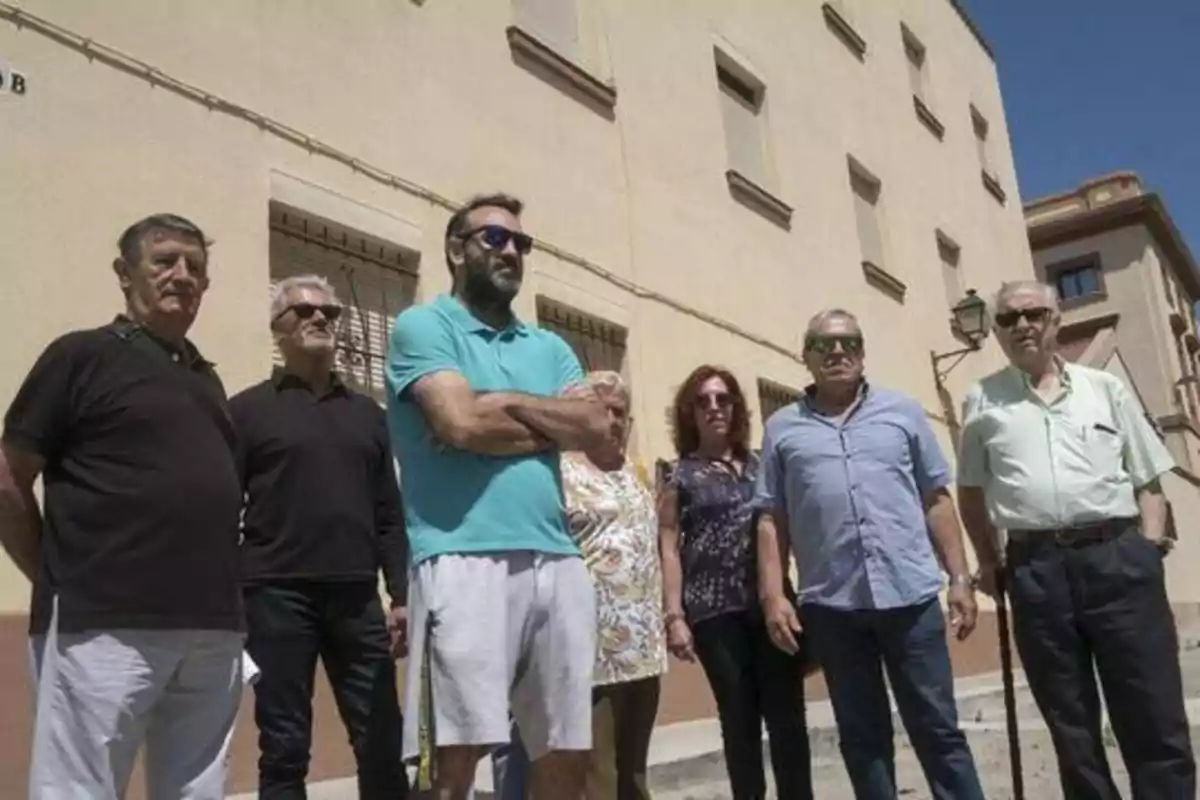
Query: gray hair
(281, 289)
(1009, 288)
(605, 380)
(821, 317)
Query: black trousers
(754, 681)
(290, 625)
(1102, 609)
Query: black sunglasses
(824, 345)
(706, 400)
(305, 310)
(1007, 319)
(497, 237)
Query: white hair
(1009, 288)
(605, 380)
(281, 289)
(821, 317)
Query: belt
(1075, 536)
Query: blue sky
(1094, 86)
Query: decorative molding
(844, 31)
(992, 184)
(751, 194)
(885, 281)
(1178, 325)
(1191, 342)
(526, 44)
(928, 118)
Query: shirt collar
(810, 395)
(463, 317)
(188, 354)
(282, 379)
(1065, 371)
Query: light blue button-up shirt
(851, 488)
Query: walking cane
(1010, 695)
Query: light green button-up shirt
(1074, 459)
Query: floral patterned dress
(612, 517)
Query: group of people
(536, 581)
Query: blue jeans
(854, 647)
(510, 769)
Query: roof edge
(973, 28)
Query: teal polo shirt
(461, 502)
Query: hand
(783, 624)
(397, 627)
(963, 610)
(679, 640)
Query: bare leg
(559, 774)
(456, 772)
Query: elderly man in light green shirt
(1062, 457)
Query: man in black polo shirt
(323, 516)
(136, 615)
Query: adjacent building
(701, 178)
(1128, 286)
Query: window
(980, 126)
(866, 190)
(373, 279)
(599, 344)
(774, 396)
(556, 22)
(1168, 287)
(742, 98)
(840, 19)
(914, 52)
(1079, 280)
(949, 255)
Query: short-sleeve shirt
(1074, 459)
(716, 540)
(852, 490)
(462, 502)
(142, 496)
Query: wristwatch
(670, 618)
(1164, 545)
(963, 579)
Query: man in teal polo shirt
(502, 608)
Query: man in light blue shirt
(852, 482)
(501, 603)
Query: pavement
(686, 761)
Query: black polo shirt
(322, 501)
(142, 495)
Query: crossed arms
(512, 423)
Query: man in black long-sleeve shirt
(323, 515)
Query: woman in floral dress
(612, 517)
(711, 598)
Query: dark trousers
(1102, 608)
(290, 625)
(622, 721)
(752, 681)
(854, 648)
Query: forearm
(1152, 505)
(773, 548)
(496, 432)
(572, 424)
(983, 535)
(21, 530)
(672, 583)
(946, 535)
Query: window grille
(599, 344)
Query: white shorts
(494, 631)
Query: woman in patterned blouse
(612, 517)
(711, 599)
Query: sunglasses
(497, 237)
(707, 400)
(1007, 319)
(824, 345)
(305, 311)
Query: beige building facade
(701, 178)
(1129, 285)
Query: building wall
(380, 116)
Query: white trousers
(101, 694)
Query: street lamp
(971, 322)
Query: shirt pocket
(1104, 448)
